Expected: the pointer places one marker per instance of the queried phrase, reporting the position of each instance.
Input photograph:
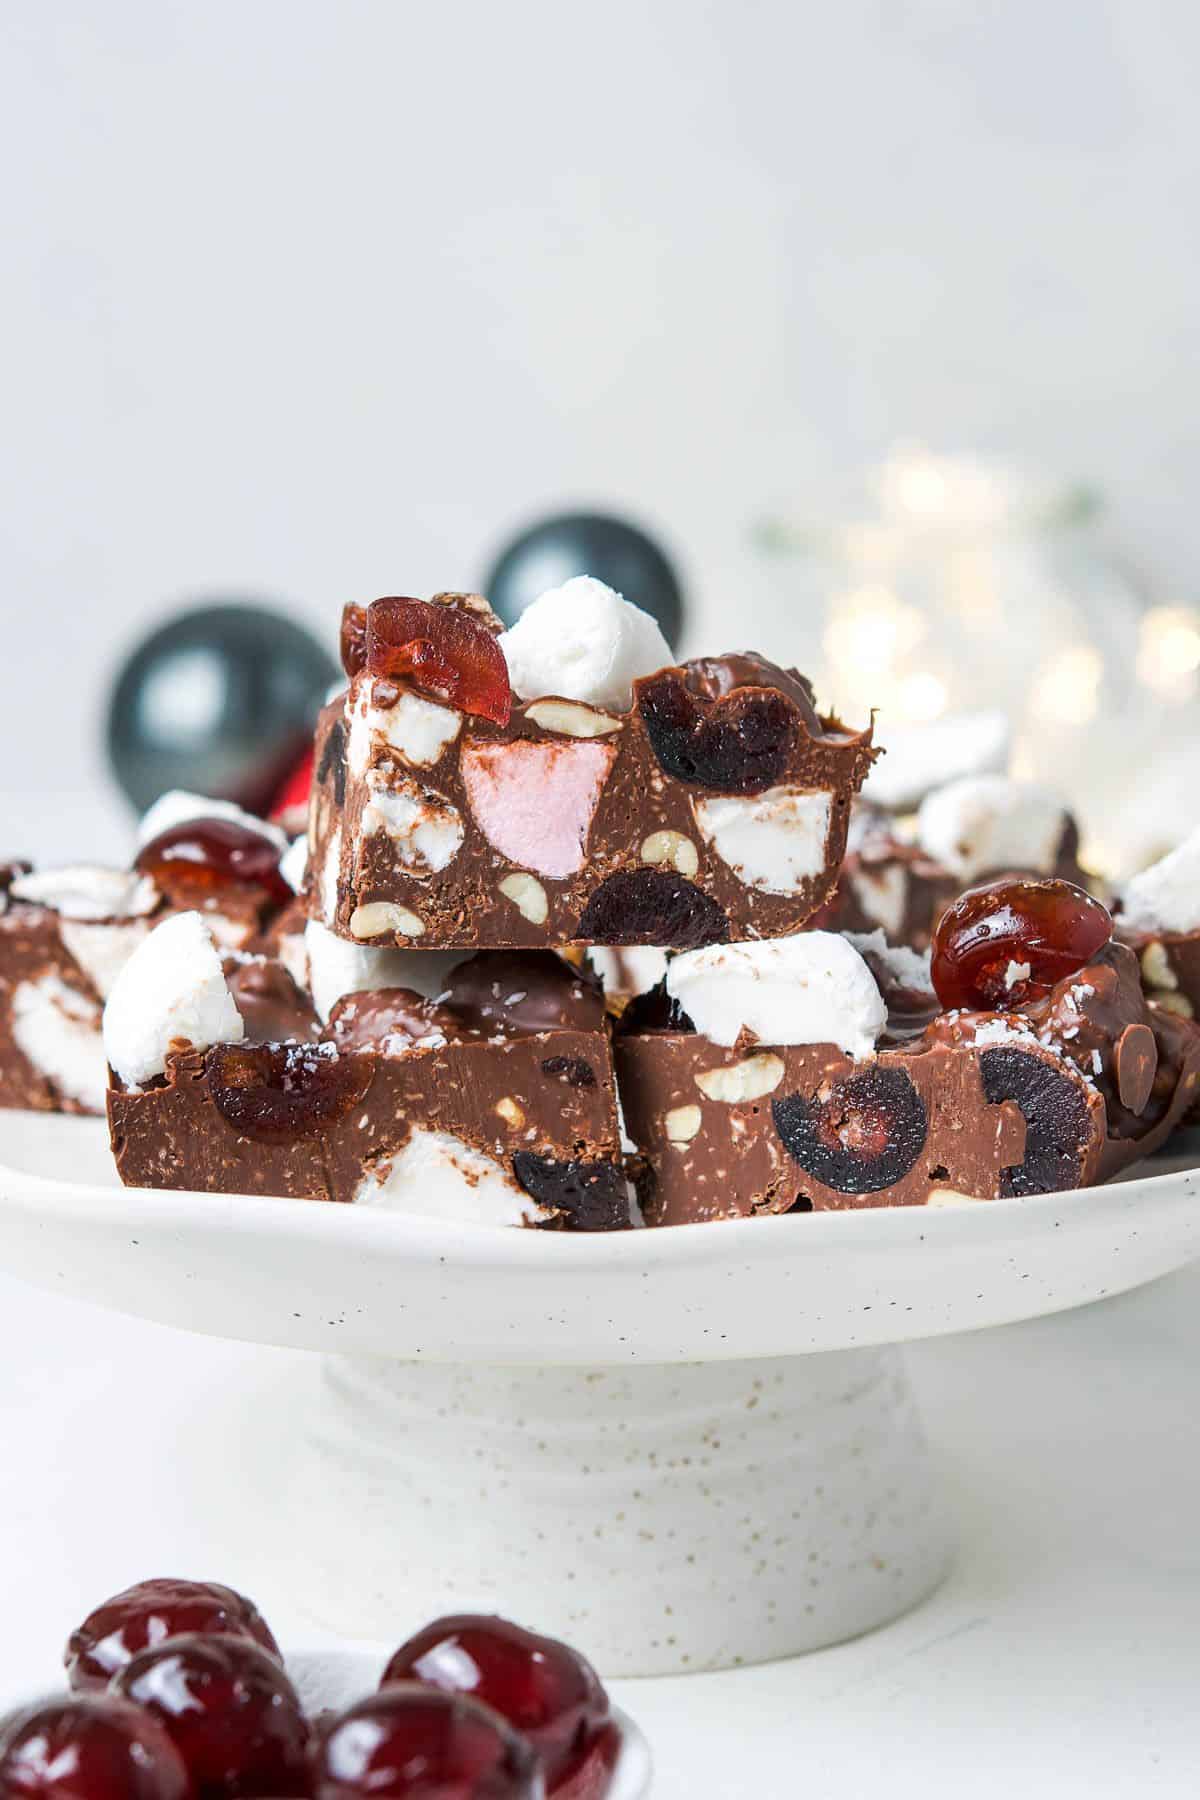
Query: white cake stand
(679, 1449)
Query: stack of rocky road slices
(582, 938)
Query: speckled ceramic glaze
(627, 1437)
(687, 1516)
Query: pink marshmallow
(534, 802)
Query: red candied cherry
(410, 1743)
(291, 801)
(230, 1711)
(1006, 943)
(197, 858)
(277, 1093)
(439, 648)
(150, 1612)
(542, 1687)
(89, 1747)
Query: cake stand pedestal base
(665, 1518)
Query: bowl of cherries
(179, 1691)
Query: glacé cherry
(409, 1742)
(199, 857)
(1008, 942)
(230, 1711)
(545, 1689)
(441, 649)
(279, 1092)
(89, 1747)
(147, 1614)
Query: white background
(320, 300)
(1061, 1661)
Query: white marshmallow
(170, 995)
(337, 967)
(425, 829)
(813, 988)
(631, 971)
(775, 840)
(177, 806)
(921, 757)
(293, 864)
(582, 641)
(908, 968)
(416, 728)
(58, 1030)
(990, 822)
(436, 1173)
(87, 891)
(331, 869)
(881, 893)
(102, 950)
(1166, 896)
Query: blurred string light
(1168, 654)
(954, 584)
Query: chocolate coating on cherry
(411, 1742)
(524, 991)
(146, 1614)
(230, 1711)
(1007, 942)
(1056, 1119)
(196, 859)
(731, 723)
(593, 1195)
(277, 1093)
(652, 906)
(386, 1020)
(89, 1747)
(863, 1133)
(545, 1689)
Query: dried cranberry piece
(592, 1195)
(150, 1611)
(352, 639)
(1007, 942)
(443, 650)
(740, 744)
(277, 1092)
(1056, 1119)
(410, 1742)
(198, 858)
(861, 1135)
(572, 1069)
(230, 1711)
(544, 1688)
(89, 1747)
(652, 906)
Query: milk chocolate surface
(663, 825)
(1062, 1095)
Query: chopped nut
(571, 718)
(528, 896)
(1176, 1003)
(672, 848)
(746, 1080)
(510, 1112)
(946, 1196)
(379, 916)
(682, 1123)
(1156, 967)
